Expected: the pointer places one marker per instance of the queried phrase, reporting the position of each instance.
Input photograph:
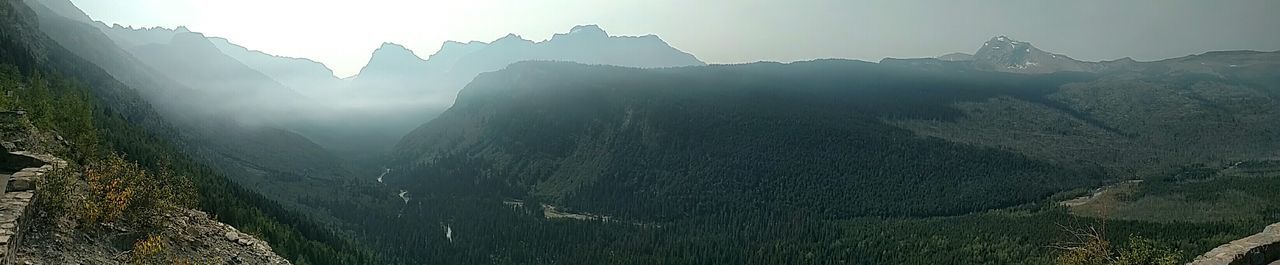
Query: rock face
(200, 236)
(190, 235)
(1003, 54)
(1261, 248)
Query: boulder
(20, 185)
(232, 236)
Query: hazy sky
(342, 34)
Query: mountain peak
(588, 30)
(582, 32)
(393, 52)
(1004, 54)
(391, 45)
(456, 44)
(511, 38)
(1002, 41)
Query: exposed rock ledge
(190, 234)
(1261, 248)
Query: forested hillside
(798, 138)
(908, 161)
(215, 105)
(1011, 155)
(101, 116)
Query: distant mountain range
(287, 127)
(465, 155)
(1004, 54)
(395, 91)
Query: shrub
(1092, 248)
(115, 192)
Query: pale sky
(343, 34)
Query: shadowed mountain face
(673, 143)
(214, 101)
(658, 143)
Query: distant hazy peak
(191, 39)
(583, 31)
(454, 50)
(510, 38)
(394, 50)
(455, 44)
(179, 29)
(63, 8)
(1006, 43)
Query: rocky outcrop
(1261, 248)
(190, 236)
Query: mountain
(397, 90)
(395, 70)
(587, 44)
(305, 76)
(129, 37)
(909, 150)
(1007, 55)
(1219, 103)
(956, 57)
(227, 115)
(70, 80)
(588, 148)
(663, 144)
(234, 88)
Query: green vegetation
(1238, 192)
(101, 117)
(1094, 249)
(660, 145)
(486, 231)
(764, 164)
(823, 162)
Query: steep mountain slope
(232, 88)
(100, 115)
(659, 144)
(304, 76)
(393, 70)
(218, 105)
